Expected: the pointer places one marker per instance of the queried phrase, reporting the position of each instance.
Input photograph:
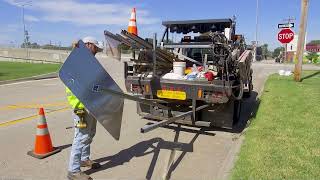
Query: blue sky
(66, 20)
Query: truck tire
(248, 93)
(237, 111)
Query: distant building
(313, 47)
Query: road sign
(285, 36)
(286, 25)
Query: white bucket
(179, 68)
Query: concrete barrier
(43, 55)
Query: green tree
(313, 57)
(124, 47)
(265, 51)
(314, 42)
(277, 51)
(24, 45)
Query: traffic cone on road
(132, 28)
(43, 144)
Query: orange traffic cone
(132, 28)
(43, 145)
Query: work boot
(90, 164)
(78, 176)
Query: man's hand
(79, 112)
(81, 123)
(75, 44)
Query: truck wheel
(237, 111)
(248, 93)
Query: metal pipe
(164, 34)
(154, 58)
(167, 37)
(187, 58)
(170, 120)
(187, 46)
(256, 35)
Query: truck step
(203, 123)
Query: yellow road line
(26, 106)
(50, 96)
(35, 100)
(8, 123)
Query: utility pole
(256, 36)
(301, 39)
(25, 32)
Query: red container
(209, 76)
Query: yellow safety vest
(73, 100)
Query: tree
(265, 51)
(24, 45)
(34, 45)
(313, 57)
(50, 46)
(276, 52)
(315, 42)
(124, 47)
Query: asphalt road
(200, 155)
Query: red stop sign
(285, 36)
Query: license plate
(167, 94)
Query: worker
(85, 127)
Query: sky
(63, 21)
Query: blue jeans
(80, 150)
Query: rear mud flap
(220, 115)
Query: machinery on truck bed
(207, 46)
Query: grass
(283, 141)
(16, 70)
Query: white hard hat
(100, 45)
(90, 39)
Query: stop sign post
(285, 36)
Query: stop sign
(285, 36)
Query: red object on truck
(209, 76)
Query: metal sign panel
(285, 36)
(286, 25)
(82, 74)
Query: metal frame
(148, 128)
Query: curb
(38, 77)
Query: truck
(217, 78)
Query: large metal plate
(82, 73)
